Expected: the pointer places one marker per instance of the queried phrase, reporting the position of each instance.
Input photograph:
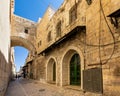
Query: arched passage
(19, 41)
(51, 71)
(26, 42)
(72, 64)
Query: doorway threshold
(73, 87)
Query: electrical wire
(104, 45)
(101, 7)
(100, 39)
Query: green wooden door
(75, 71)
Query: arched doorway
(51, 71)
(72, 66)
(75, 70)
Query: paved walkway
(23, 87)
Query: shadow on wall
(4, 74)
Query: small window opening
(26, 31)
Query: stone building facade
(102, 40)
(13, 63)
(79, 45)
(76, 45)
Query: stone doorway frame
(65, 77)
(49, 70)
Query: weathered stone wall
(41, 68)
(47, 24)
(99, 33)
(5, 65)
(101, 48)
(41, 30)
(23, 32)
(73, 45)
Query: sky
(20, 55)
(33, 10)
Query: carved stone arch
(68, 53)
(51, 63)
(19, 41)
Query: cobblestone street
(23, 87)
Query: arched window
(49, 38)
(73, 14)
(58, 29)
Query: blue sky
(20, 56)
(31, 9)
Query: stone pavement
(24, 87)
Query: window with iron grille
(73, 14)
(49, 38)
(58, 29)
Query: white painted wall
(4, 44)
(5, 27)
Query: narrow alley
(25, 87)
(60, 48)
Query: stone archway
(19, 41)
(65, 74)
(51, 71)
(23, 32)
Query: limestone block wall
(47, 25)
(19, 25)
(40, 68)
(5, 65)
(100, 31)
(41, 29)
(101, 48)
(58, 54)
(23, 33)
